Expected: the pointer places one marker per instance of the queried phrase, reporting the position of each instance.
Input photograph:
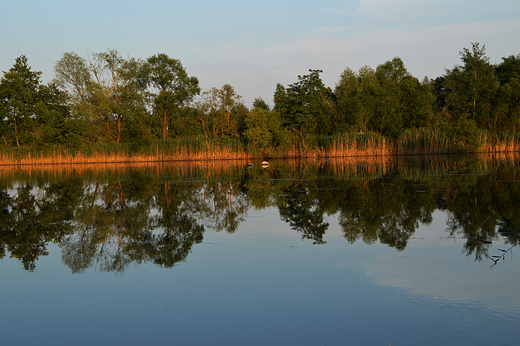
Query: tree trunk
(165, 125)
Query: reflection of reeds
(204, 169)
(345, 167)
(502, 156)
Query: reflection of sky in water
(433, 267)
(265, 285)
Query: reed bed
(164, 151)
(499, 145)
(411, 142)
(426, 142)
(354, 145)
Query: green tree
(508, 69)
(507, 102)
(262, 130)
(72, 75)
(33, 113)
(386, 100)
(172, 89)
(18, 97)
(303, 105)
(107, 95)
(53, 117)
(473, 87)
(348, 101)
(368, 94)
(403, 102)
(116, 95)
(221, 112)
(260, 103)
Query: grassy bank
(412, 142)
(430, 141)
(160, 151)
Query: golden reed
(340, 147)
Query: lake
(376, 251)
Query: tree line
(106, 99)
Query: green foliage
(473, 87)
(175, 89)
(303, 105)
(72, 75)
(32, 113)
(349, 103)
(110, 99)
(263, 129)
(260, 103)
(386, 100)
(508, 69)
(221, 112)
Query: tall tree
(18, 97)
(115, 93)
(348, 102)
(172, 89)
(221, 112)
(386, 100)
(509, 68)
(507, 103)
(473, 87)
(263, 128)
(72, 75)
(303, 104)
(31, 112)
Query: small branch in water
(496, 258)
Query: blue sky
(253, 45)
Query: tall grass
(411, 142)
(501, 142)
(434, 141)
(426, 141)
(353, 144)
(186, 149)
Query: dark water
(401, 252)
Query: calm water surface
(400, 252)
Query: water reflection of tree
(223, 205)
(303, 212)
(385, 210)
(174, 229)
(139, 217)
(132, 221)
(473, 202)
(34, 216)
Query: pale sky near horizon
(253, 45)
